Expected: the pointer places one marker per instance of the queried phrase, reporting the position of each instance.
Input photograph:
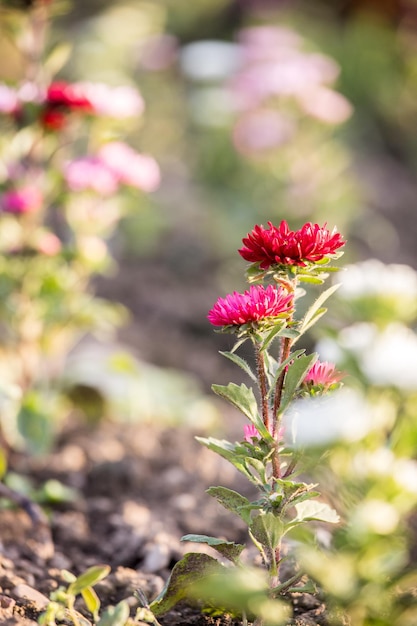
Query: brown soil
(138, 489)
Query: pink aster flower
(130, 167)
(322, 374)
(19, 201)
(282, 246)
(256, 304)
(9, 102)
(250, 432)
(90, 173)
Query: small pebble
(29, 593)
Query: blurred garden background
(140, 141)
(254, 110)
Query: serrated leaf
(231, 500)
(92, 601)
(311, 315)
(267, 530)
(244, 365)
(228, 451)
(294, 376)
(243, 398)
(319, 511)
(115, 615)
(90, 577)
(228, 549)
(193, 568)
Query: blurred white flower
(209, 60)
(386, 358)
(376, 516)
(343, 415)
(118, 102)
(372, 277)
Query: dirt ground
(137, 490)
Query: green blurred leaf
(194, 567)
(316, 310)
(228, 549)
(314, 510)
(90, 577)
(115, 615)
(92, 601)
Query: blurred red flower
(282, 246)
(254, 305)
(63, 98)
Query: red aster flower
(63, 98)
(322, 374)
(62, 94)
(255, 305)
(282, 246)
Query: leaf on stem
(319, 511)
(232, 501)
(316, 310)
(280, 368)
(229, 452)
(228, 549)
(294, 376)
(193, 568)
(90, 577)
(241, 363)
(268, 530)
(243, 399)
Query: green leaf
(90, 577)
(193, 568)
(240, 397)
(294, 376)
(243, 398)
(241, 362)
(232, 501)
(91, 600)
(228, 549)
(228, 451)
(294, 355)
(277, 330)
(308, 278)
(115, 615)
(268, 530)
(320, 511)
(316, 311)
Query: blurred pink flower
(262, 129)
(250, 432)
(118, 102)
(158, 52)
(323, 374)
(256, 304)
(24, 200)
(326, 105)
(130, 167)
(90, 173)
(47, 243)
(9, 102)
(282, 246)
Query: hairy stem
(260, 368)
